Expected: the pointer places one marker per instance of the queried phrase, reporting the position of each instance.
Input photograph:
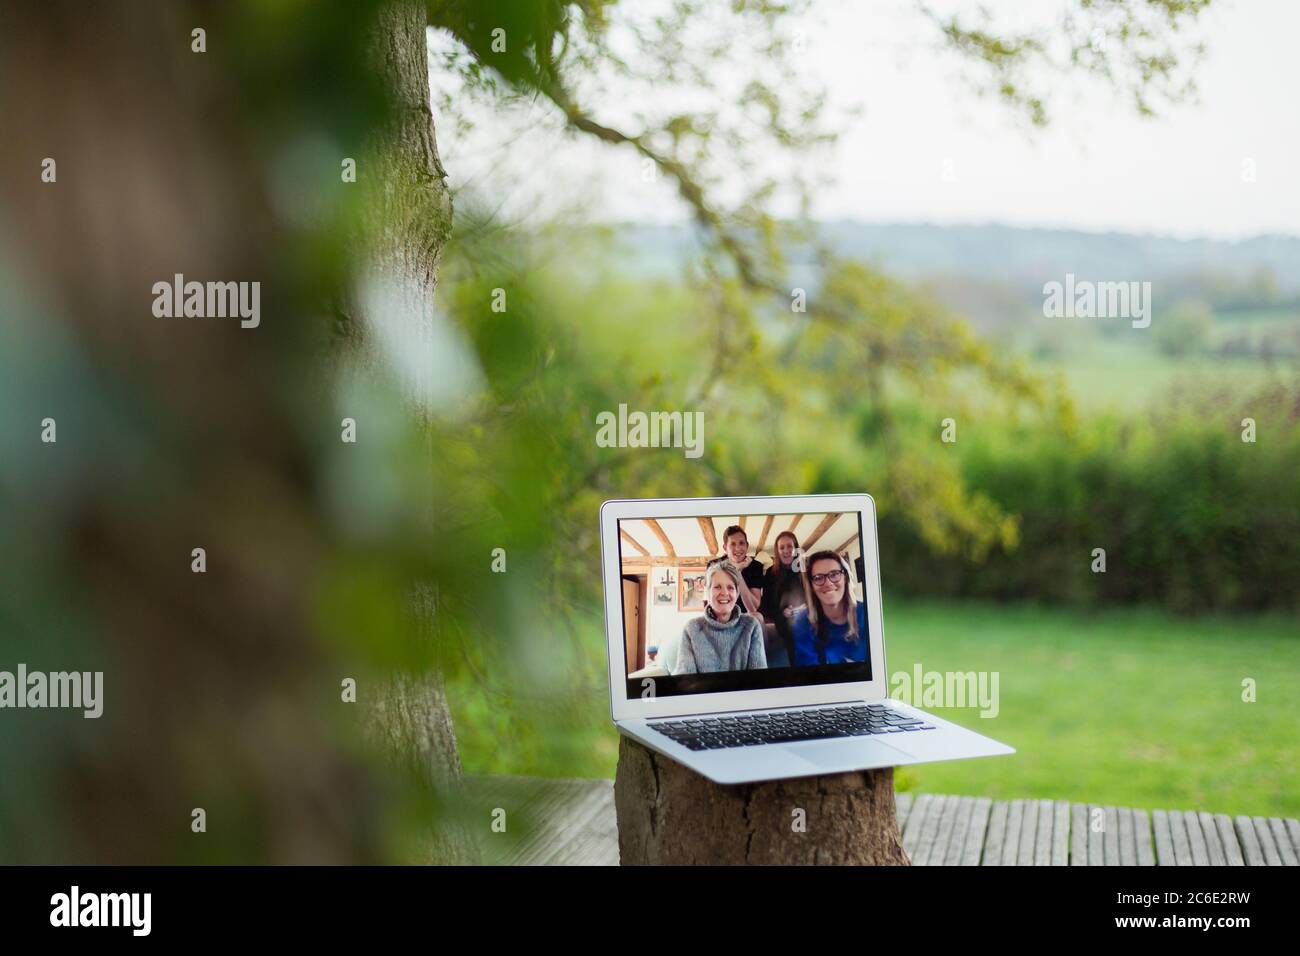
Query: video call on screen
(742, 602)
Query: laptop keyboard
(780, 727)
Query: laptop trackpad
(845, 754)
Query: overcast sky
(1097, 167)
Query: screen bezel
(623, 707)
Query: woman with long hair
(783, 594)
(832, 628)
(724, 638)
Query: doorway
(634, 623)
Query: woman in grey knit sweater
(724, 639)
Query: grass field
(1118, 376)
(1127, 707)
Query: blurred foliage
(1135, 48)
(1190, 516)
(1184, 329)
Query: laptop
(744, 687)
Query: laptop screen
(716, 603)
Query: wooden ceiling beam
(696, 562)
(633, 542)
(710, 534)
(853, 537)
(818, 531)
(653, 525)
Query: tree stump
(668, 814)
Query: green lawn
(1127, 707)
(1124, 376)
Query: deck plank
(960, 827)
(1293, 831)
(973, 849)
(943, 830)
(1249, 841)
(1178, 832)
(947, 826)
(915, 821)
(1110, 837)
(1196, 839)
(1078, 834)
(573, 822)
(1164, 842)
(1213, 842)
(595, 842)
(593, 839)
(1127, 838)
(567, 812)
(542, 816)
(1043, 837)
(1028, 833)
(902, 804)
(1096, 853)
(930, 831)
(997, 834)
(923, 829)
(1228, 837)
(1060, 854)
(1142, 836)
(1284, 848)
(1266, 844)
(1011, 840)
(524, 802)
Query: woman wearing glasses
(832, 629)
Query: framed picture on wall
(664, 594)
(690, 595)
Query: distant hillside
(1027, 255)
(1022, 259)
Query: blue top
(838, 650)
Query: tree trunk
(173, 433)
(408, 217)
(177, 433)
(668, 814)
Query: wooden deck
(568, 822)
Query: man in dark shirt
(735, 547)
